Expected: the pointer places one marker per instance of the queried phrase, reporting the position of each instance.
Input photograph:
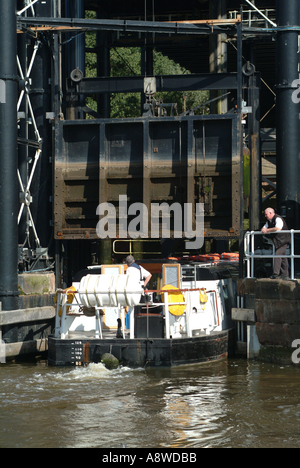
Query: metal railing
(252, 18)
(70, 306)
(250, 255)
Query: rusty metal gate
(188, 159)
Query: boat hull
(154, 352)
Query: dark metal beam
(255, 159)
(9, 202)
(288, 131)
(58, 25)
(240, 189)
(127, 26)
(209, 81)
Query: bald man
(274, 225)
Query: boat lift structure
(57, 164)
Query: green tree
(127, 62)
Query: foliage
(127, 62)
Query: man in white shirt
(274, 224)
(137, 271)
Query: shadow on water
(227, 404)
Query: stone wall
(36, 283)
(277, 309)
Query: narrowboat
(184, 318)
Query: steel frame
(54, 26)
(25, 196)
(108, 85)
(30, 5)
(205, 81)
(208, 27)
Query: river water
(232, 403)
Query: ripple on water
(229, 404)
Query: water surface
(227, 404)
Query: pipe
(9, 203)
(288, 135)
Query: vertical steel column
(23, 132)
(240, 140)
(288, 135)
(9, 190)
(75, 56)
(255, 160)
(40, 95)
(218, 53)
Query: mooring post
(8, 157)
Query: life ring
(194, 258)
(209, 258)
(203, 298)
(213, 257)
(175, 296)
(70, 297)
(230, 256)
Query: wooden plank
(26, 315)
(243, 315)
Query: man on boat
(274, 224)
(138, 271)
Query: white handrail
(250, 256)
(262, 14)
(62, 307)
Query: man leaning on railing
(274, 224)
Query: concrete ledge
(35, 347)
(26, 315)
(36, 283)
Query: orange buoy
(230, 256)
(209, 257)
